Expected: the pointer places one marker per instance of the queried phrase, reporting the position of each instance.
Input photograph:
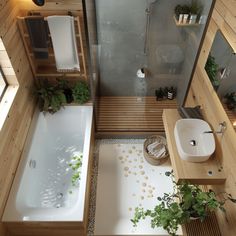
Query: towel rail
(40, 68)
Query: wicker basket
(151, 159)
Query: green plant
(64, 85)
(51, 98)
(196, 8)
(81, 92)
(176, 208)
(75, 165)
(212, 68)
(230, 100)
(181, 9)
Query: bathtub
(42, 189)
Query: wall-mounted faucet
(222, 128)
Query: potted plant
(63, 84)
(181, 11)
(212, 68)
(196, 8)
(80, 92)
(187, 202)
(51, 98)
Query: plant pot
(194, 218)
(68, 95)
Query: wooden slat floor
(209, 227)
(131, 114)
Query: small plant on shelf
(212, 68)
(195, 8)
(81, 92)
(186, 202)
(188, 13)
(181, 9)
(75, 165)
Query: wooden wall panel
(15, 128)
(202, 93)
(14, 131)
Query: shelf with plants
(184, 24)
(189, 15)
(47, 67)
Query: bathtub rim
(11, 214)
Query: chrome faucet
(222, 128)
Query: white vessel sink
(192, 143)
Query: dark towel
(38, 33)
(190, 112)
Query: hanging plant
(212, 68)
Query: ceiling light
(39, 2)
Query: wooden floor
(209, 227)
(131, 114)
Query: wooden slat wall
(13, 133)
(202, 93)
(131, 114)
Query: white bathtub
(42, 189)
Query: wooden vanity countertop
(196, 173)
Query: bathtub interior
(45, 184)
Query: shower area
(139, 49)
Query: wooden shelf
(196, 173)
(26, 35)
(184, 24)
(51, 71)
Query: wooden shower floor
(131, 114)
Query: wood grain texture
(209, 227)
(14, 130)
(131, 114)
(45, 228)
(196, 173)
(202, 93)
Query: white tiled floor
(125, 181)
